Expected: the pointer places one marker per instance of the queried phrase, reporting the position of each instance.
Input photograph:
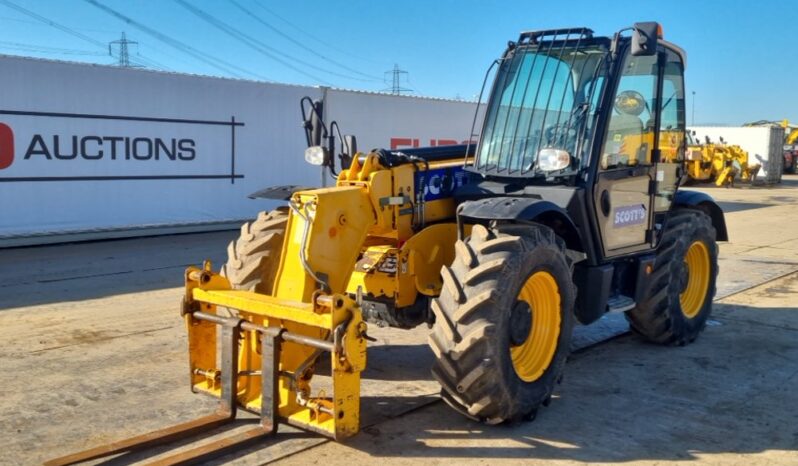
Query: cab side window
(672, 124)
(630, 133)
(671, 131)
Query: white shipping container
(763, 144)
(92, 151)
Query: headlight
(315, 155)
(553, 159)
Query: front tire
(503, 322)
(677, 300)
(253, 258)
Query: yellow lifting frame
(331, 323)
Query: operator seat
(624, 138)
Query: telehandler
(719, 162)
(563, 210)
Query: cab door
(672, 129)
(622, 195)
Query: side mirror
(317, 130)
(348, 151)
(644, 39)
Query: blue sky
(741, 63)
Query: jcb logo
(6, 146)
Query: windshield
(544, 97)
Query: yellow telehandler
(563, 211)
(719, 162)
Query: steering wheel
(560, 135)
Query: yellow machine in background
(790, 147)
(790, 134)
(719, 162)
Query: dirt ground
(93, 350)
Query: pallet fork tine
(225, 414)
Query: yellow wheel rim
(532, 357)
(698, 270)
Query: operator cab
(601, 117)
(543, 101)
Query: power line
(217, 63)
(396, 78)
(173, 56)
(141, 61)
(135, 61)
(37, 23)
(241, 37)
(298, 43)
(46, 49)
(60, 27)
(311, 36)
(260, 46)
(63, 28)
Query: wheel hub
(520, 322)
(684, 278)
(696, 279)
(540, 296)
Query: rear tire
(677, 300)
(503, 322)
(253, 258)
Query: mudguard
(704, 202)
(523, 208)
